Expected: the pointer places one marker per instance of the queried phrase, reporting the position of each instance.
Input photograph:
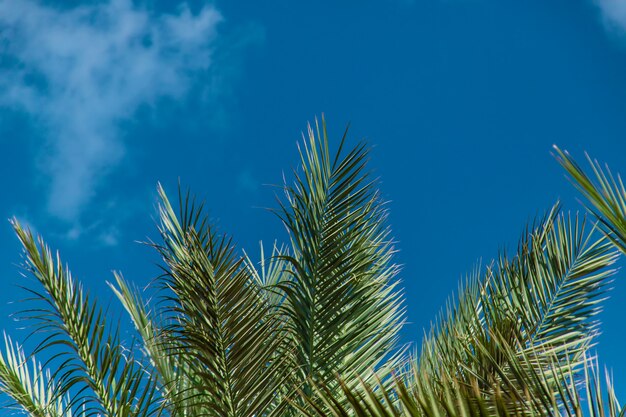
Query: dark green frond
(224, 326)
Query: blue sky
(461, 100)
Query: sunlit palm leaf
(271, 272)
(578, 394)
(342, 301)
(31, 388)
(607, 195)
(536, 308)
(94, 364)
(312, 330)
(178, 385)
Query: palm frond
(580, 393)
(606, 195)
(270, 274)
(94, 364)
(222, 321)
(176, 381)
(31, 388)
(312, 330)
(343, 305)
(536, 309)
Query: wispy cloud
(81, 72)
(614, 15)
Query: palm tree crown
(313, 329)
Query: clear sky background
(461, 100)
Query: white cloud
(80, 72)
(614, 14)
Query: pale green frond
(605, 193)
(175, 382)
(578, 394)
(94, 362)
(312, 329)
(556, 285)
(31, 388)
(342, 301)
(271, 273)
(536, 308)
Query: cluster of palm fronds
(313, 330)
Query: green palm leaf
(31, 388)
(221, 324)
(535, 309)
(177, 384)
(580, 394)
(94, 364)
(607, 196)
(342, 303)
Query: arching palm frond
(271, 273)
(94, 366)
(176, 382)
(30, 387)
(607, 196)
(515, 343)
(578, 394)
(343, 306)
(221, 323)
(528, 312)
